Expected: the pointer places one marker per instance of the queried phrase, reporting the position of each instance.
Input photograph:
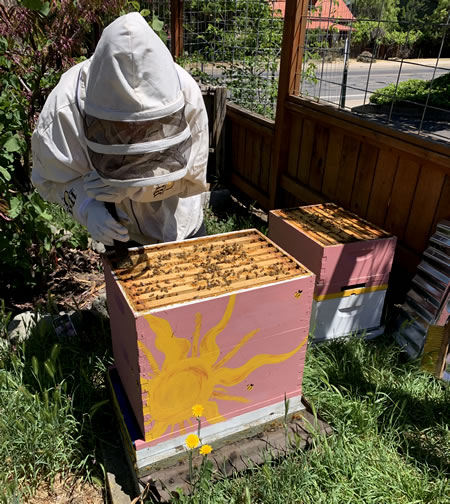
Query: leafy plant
(415, 91)
(38, 41)
(216, 223)
(243, 41)
(51, 394)
(157, 25)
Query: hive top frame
(162, 275)
(331, 225)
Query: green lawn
(391, 440)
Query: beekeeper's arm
(59, 163)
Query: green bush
(416, 91)
(38, 41)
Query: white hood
(132, 76)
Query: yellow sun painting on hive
(200, 378)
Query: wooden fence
(395, 180)
(316, 153)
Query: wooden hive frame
(196, 269)
(329, 224)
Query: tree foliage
(400, 27)
(243, 40)
(38, 41)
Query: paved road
(363, 80)
(362, 76)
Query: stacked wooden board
(351, 259)
(220, 322)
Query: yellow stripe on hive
(350, 292)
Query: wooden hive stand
(351, 259)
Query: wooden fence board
(443, 209)
(369, 131)
(306, 151)
(318, 158)
(294, 146)
(234, 147)
(266, 161)
(249, 172)
(368, 157)
(426, 199)
(347, 169)
(402, 196)
(331, 174)
(383, 181)
(256, 160)
(241, 151)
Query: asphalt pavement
(364, 78)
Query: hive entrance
(331, 225)
(194, 269)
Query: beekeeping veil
(134, 121)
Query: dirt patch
(67, 491)
(76, 281)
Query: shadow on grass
(373, 378)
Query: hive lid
(330, 224)
(181, 272)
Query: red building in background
(325, 15)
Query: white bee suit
(156, 173)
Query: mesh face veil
(139, 153)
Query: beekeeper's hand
(98, 189)
(102, 226)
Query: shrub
(38, 41)
(416, 91)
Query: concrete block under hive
(220, 321)
(350, 257)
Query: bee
(250, 386)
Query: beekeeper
(126, 126)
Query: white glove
(98, 189)
(102, 226)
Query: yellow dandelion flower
(192, 441)
(197, 410)
(205, 449)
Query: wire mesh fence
(237, 44)
(381, 62)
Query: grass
(51, 398)
(391, 440)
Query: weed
(51, 402)
(217, 224)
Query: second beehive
(351, 258)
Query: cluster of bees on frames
(334, 224)
(199, 267)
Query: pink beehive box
(220, 321)
(339, 247)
